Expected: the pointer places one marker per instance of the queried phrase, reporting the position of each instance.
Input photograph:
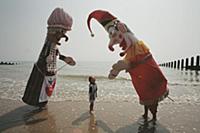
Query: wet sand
(109, 117)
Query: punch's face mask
(117, 36)
(118, 32)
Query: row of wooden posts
(8, 63)
(184, 64)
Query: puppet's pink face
(60, 35)
(116, 37)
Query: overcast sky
(171, 28)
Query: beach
(100, 66)
(109, 117)
(117, 108)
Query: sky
(170, 28)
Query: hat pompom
(92, 35)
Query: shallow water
(72, 83)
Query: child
(92, 92)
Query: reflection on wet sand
(191, 76)
(92, 126)
(139, 126)
(30, 117)
(35, 120)
(14, 118)
(82, 118)
(42, 117)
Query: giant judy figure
(43, 76)
(147, 78)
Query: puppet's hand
(116, 68)
(113, 73)
(70, 61)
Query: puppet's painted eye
(63, 31)
(110, 33)
(111, 30)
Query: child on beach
(92, 92)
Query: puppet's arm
(68, 60)
(117, 67)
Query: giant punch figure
(147, 78)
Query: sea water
(72, 83)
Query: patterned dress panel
(51, 62)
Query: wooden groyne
(8, 63)
(184, 64)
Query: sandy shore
(109, 117)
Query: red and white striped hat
(103, 17)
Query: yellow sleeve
(137, 49)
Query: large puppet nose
(110, 45)
(66, 38)
(111, 48)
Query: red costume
(147, 78)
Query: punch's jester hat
(59, 20)
(103, 17)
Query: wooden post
(182, 64)
(178, 65)
(197, 62)
(171, 64)
(186, 63)
(174, 64)
(192, 63)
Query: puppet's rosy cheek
(120, 38)
(116, 41)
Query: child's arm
(96, 91)
(90, 89)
